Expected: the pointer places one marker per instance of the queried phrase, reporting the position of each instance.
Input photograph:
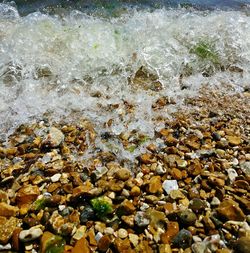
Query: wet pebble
(187, 217)
(141, 219)
(87, 214)
(183, 239)
(242, 245)
(30, 234)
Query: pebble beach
(188, 192)
(125, 128)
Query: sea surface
(68, 58)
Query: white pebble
(109, 231)
(122, 233)
(30, 234)
(56, 177)
(169, 185)
(232, 174)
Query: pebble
(104, 243)
(30, 234)
(55, 178)
(134, 239)
(99, 172)
(135, 191)
(5, 247)
(80, 232)
(122, 233)
(234, 140)
(183, 239)
(54, 138)
(87, 214)
(242, 245)
(197, 205)
(232, 174)
(8, 210)
(155, 186)
(230, 210)
(215, 201)
(176, 194)
(7, 227)
(187, 217)
(169, 185)
(199, 247)
(245, 167)
(109, 231)
(123, 174)
(171, 231)
(141, 219)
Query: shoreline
(187, 192)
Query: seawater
(80, 63)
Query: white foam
(85, 54)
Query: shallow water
(76, 63)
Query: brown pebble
(155, 185)
(104, 243)
(171, 231)
(8, 210)
(230, 210)
(123, 174)
(176, 173)
(135, 191)
(15, 239)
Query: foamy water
(82, 63)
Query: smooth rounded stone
(87, 214)
(199, 247)
(232, 174)
(183, 239)
(54, 137)
(135, 191)
(215, 201)
(230, 210)
(123, 174)
(55, 178)
(169, 185)
(187, 217)
(30, 234)
(141, 219)
(197, 205)
(242, 245)
(122, 233)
